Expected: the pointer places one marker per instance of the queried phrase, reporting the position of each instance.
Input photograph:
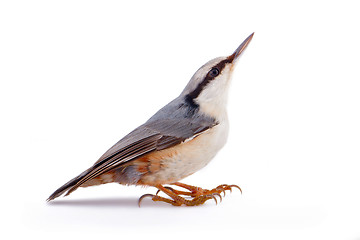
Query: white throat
(213, 99)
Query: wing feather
(151, 136)
(138, 149)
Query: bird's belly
(173, 164)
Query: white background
(76, 76)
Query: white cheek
(213, 99)
(217, 89)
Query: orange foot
(196, 191)
(199, 195)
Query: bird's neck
(216, 111)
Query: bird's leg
(197, 191)
(177, 192)
(194, 191)
(176, 199)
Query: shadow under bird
(180, 139)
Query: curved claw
(144, 196)
(221, 189)
(228, 187)
(218, 194)
(213, 197)
(236, 186)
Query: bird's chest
(178, 162)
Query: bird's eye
(214, 72)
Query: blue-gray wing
(154, 135)
(157, 135)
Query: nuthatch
(180, 139)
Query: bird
(177, 141)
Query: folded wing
(151, 136)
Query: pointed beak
(233, 57)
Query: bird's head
(208, 88)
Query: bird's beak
(233, 57)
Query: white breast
(192, 155)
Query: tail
(68, 187)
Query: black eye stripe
(220, 66)
(196, 92)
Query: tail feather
(67, 186)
